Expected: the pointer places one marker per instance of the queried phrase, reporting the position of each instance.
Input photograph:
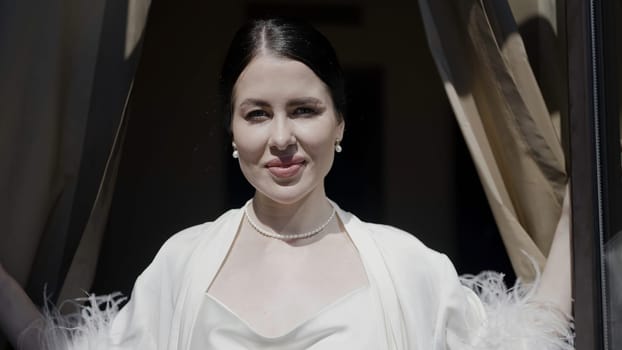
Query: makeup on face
(285, 127)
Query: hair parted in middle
(282, 37)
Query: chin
(283, 198)
(286, 194)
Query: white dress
(347, 323)
(415, 300)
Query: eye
(305, 112)
(256, 115)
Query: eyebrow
(304, 101)
(293, 102)
(254, 102)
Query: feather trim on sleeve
(514, 320)
(87, 328)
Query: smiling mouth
(285, 170)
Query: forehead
(277, 79)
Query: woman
(291, 270)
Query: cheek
(250, 143)
(319, 144)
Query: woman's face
(285, 128)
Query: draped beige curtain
(66, 68)
(47, 60)
(508, 127)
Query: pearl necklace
(287, 237)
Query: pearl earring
(235, 153)
(338, 147)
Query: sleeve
(99, 323)
(481, 313)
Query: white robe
(425, 307)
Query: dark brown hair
(293, 39)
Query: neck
(301, 216)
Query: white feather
(87, 328)
(514, 320)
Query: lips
(285, 167)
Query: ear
(340, 128)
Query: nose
(281, 133)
